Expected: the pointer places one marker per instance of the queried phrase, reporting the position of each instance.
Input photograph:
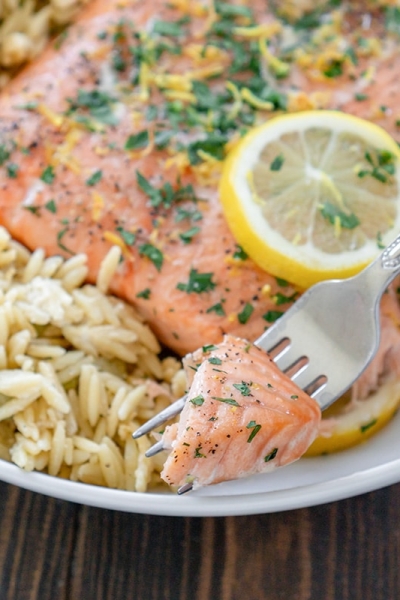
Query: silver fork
(324, 341)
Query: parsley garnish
(188, 235)
(214, 360)
(331, 212)
(183, 213)
(271, 455)
(272, 315)
(255, 429)
(168, 28)
(144, 294)
(99, 105)
(60, 235)
(51, 206)
(94, 178)
(382, 166)
(197, 401)
(128, 237)
(246, 313)
(367, 426)
(137, 140)
(218, 309)
(153, 253)
(239, 253)
(243, 388)
(198, 454)
(280, 298)
(226, 400)
(209, 348)
(277, 163)
(12, 170)
(48, 175)
(198, 282)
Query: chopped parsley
(94, 178)
(218, 309)
(280, 298)
(246, 313)
(168, 28)
(243, 388)
(239, 253)
(214, 360)
(145, 294)
(381, 167)
(153, 253)
(12, 170)
(272, 315)
(277, 163)
(137, 140)
(367, 426)
(226, 400)
(197, 401)
(60, 235)
(51, 206)
(98, 103)
(271, 455)
(198, 454)
(209, 348)
(333, 213)
(128, 237)
(187, 236)
(197, 283)
(48, 175)
(255, 427)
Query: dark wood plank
(54, 550)
(36, 542)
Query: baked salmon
(117, 133)
(242, 416)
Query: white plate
(308, 482)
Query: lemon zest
(337, 226)
(180, 95)
(97, 205)
(50, 115)
(277, 66)
(254, 101)
(266, 30)
(113, 238)
(237, 104)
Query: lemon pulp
(313, 195)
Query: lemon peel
(348, 428)
(313, 216)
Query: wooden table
(55, 550)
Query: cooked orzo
(79, 371)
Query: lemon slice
(344, 426)
(313, 195)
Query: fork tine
(162, 417)
(155, 449)
(185, 488)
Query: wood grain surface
(56, 550)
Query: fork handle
(382, 270)
(390, 257)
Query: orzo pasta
(79, 371)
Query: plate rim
(164, 504)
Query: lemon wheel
(313, 195)
(345, 425)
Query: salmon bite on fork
(247, 412)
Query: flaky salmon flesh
(242, 416)
(117, 133)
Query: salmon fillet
(242, 416)
(115, 135)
